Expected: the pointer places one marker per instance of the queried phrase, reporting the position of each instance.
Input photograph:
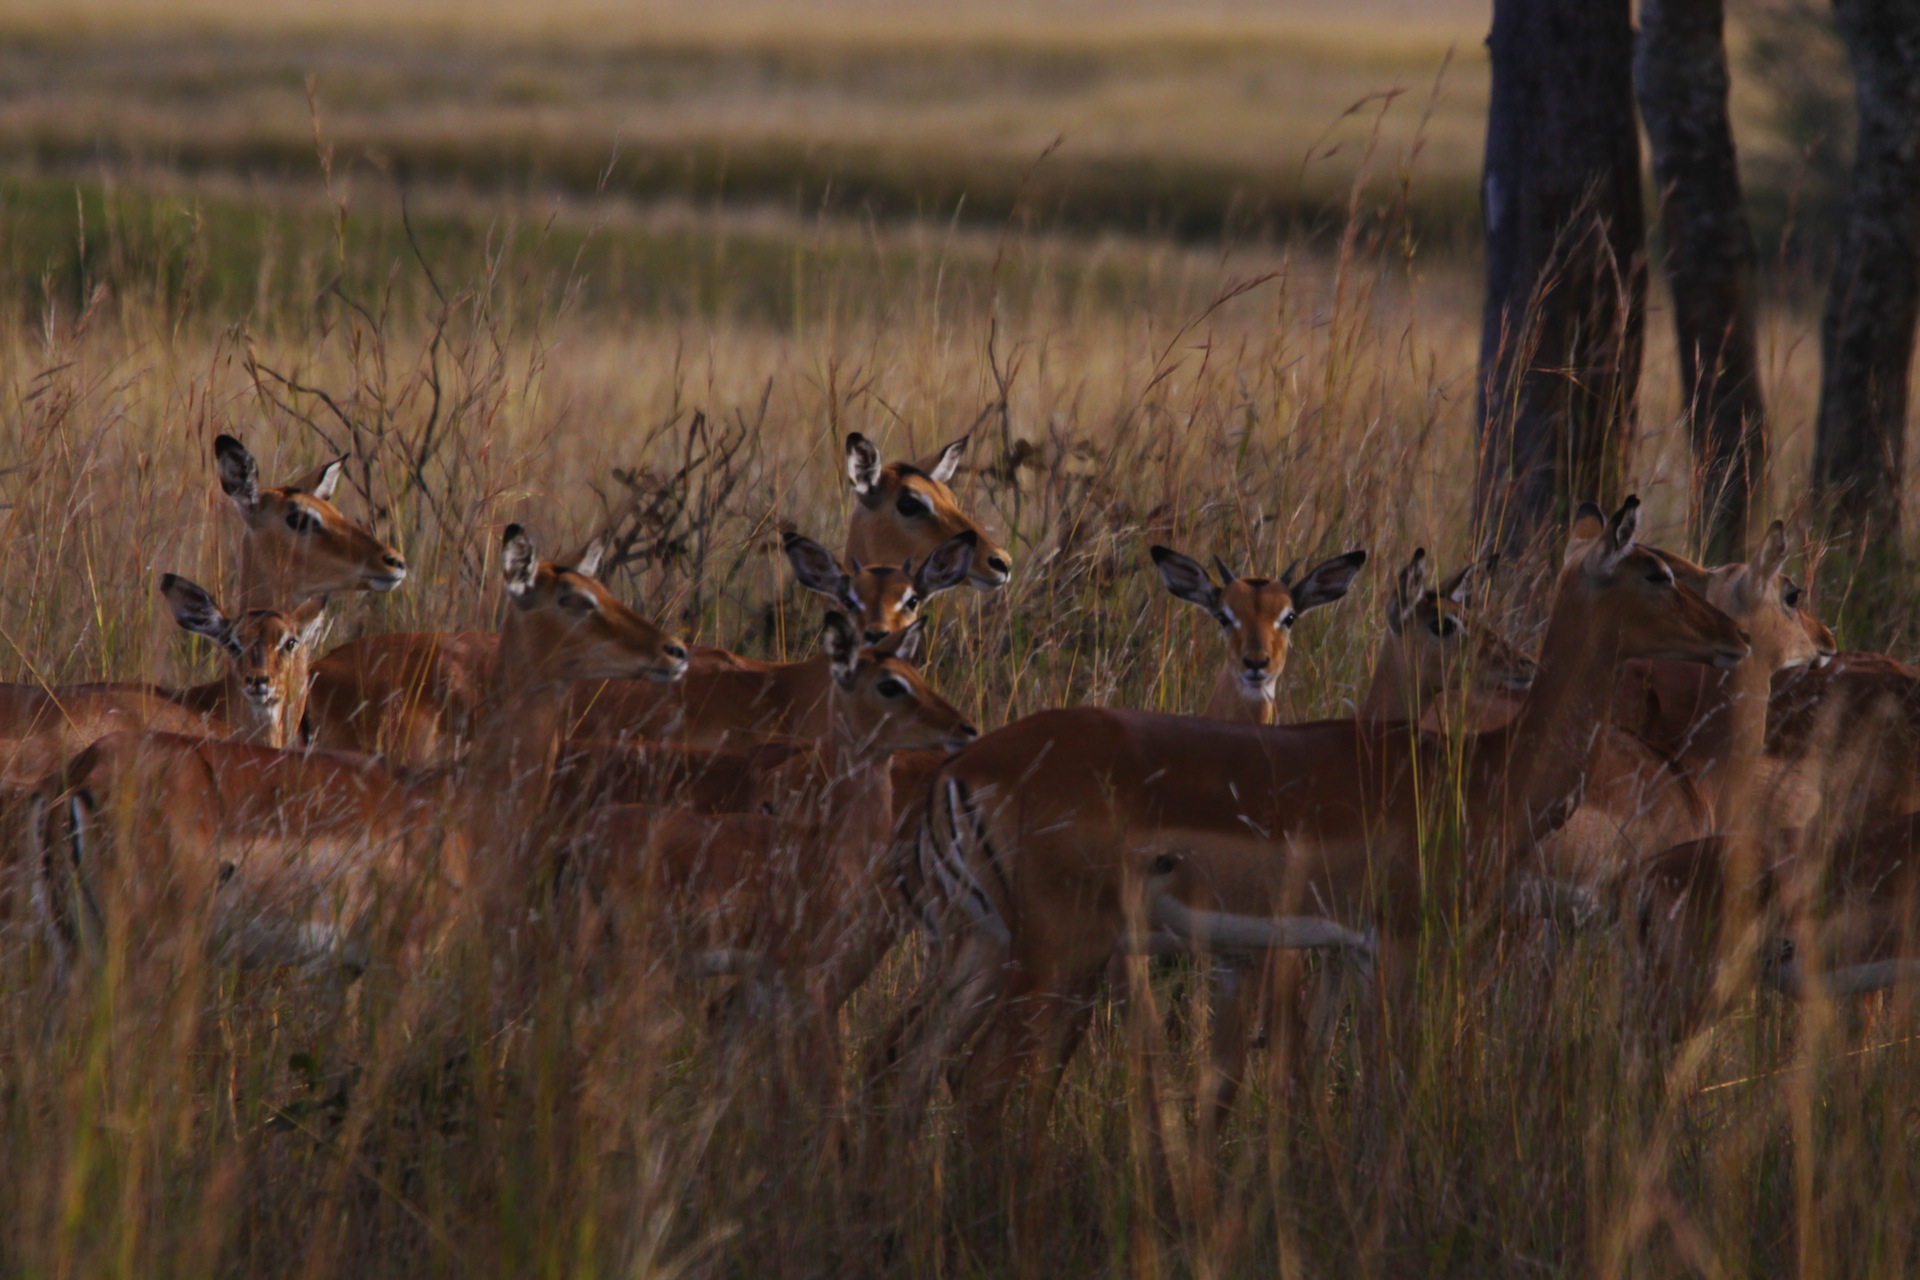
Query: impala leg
(1233, 999)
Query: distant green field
(1203, 122)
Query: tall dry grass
(1258, 403)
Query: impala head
(1633, 599)
(1256, 615)
(1766, 603)
(268, 653)
(297, 540)
(882, 599)
(1433, 631)
(906, 510)
(565, 626)
(881, 702)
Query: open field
(1229, 120)
(517, 338)
(220, 1124)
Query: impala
(1849, 895)
(804, 888)
(296, 857)
(412, 695)
(258, 699)
(906, 508)
(1049, 836)
(750, 698)
(1644, 801)
(1256, 617)
(296, 545)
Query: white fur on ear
(863, 464)
(310, 619)
(329, 479)
(518, 563)
(908, 644)
(947, 465)
(842, 645)
(1618, 540)
(588, 565)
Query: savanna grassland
(678, 254)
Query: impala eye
(1792, 596)
(577, 602)
(1225, 619)
(908, 603)
(299, 521)
(891, 687)
(910, 505)
(1444, 627)
(1660, 578)
(290, 644)
(1288, 618)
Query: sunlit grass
(1263, 403)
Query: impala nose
(257, 688)
(1257, 666)
(874, 635)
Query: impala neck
(1540, 776)
(1746, 690)
(857, 811)
(265, 579)
(1390, 689)
(516, 741)
(1228, 703)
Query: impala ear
(947, 565)
(863, 464)
(1617, 540)
(196, 611)
(1460, 587)
(946, 463)
(1408, 587)
(322, 480)
(842, 645)
(239, 473)
(1771, 557)
(905, 644)
(518, 563)
(587, 563)
(818, 570)
(309, 620)
(1185, 578)
(1327, 581)
(1589, 522)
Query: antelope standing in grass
(321, 858)
(1049, 837)
(296, 546)
(803, 897)
(411, 695)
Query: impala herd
(1686, 759)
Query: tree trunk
(1681, 70)
(1566, 277)
(1866, 333)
